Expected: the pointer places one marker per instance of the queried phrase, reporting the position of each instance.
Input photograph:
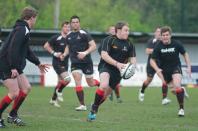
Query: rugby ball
(128, 71)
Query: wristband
(53, 52)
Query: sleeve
(181, 48)
(86, 35)
(16, 42)
(150, 44)
(52, 40)
(156, 53)
(106, 44)
(89, 37)
(32, 57)
(132, 50)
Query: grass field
(130, 115)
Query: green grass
(130, 115)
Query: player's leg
(88, 71)
(99, 95)
(117, 93)
(64, 81)
(179, 91)
(58, 69)
(25, 88)
(150, 74)
(144, 86)
(111, 96)
(77, 75)
(54, 100)
(13, 92)
(168, 78)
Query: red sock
(96, 82)
(4, 104)
(80, 94)
(17, 103)
(63, 85)
(180, 97)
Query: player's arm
(149, 48)
(188, 63)
(50, 50)
(105, 56)
(92, 47)
(32, 57)
(157, 69)
(66, 53)
(132, 55)
(186, 57)
(149, 51)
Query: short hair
(166, 29)
(28, 12)
(64, 23)
(75, 17)
(120, 25)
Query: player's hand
(81, 55)
(57, 54)
(120, 66)
(14, 73)
(43, 67)
(62, 57)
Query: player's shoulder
(82, 31)
(22, 29)
(56, 37)
(110, 37)
(159, 45)
(176, 42)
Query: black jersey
(58, 44)
(79, 42)
(16, 49)
(119, 50)
(168, 55)
(152, 43)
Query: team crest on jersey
(114, 46)
(62, 44)
(125, 49)
(78, 37)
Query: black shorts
(86, 68)
(167, 73)
(4, 75)
(150, 71)
(114, 75)
(60, 66)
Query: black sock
(80, 94)
(143, 88)
(99, 99)
(164, 90)
(180, 97)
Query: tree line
(97, 15)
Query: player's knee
(27, 89)
(14, 94)
(104, 85)
(67, 79)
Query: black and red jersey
(78, 42)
